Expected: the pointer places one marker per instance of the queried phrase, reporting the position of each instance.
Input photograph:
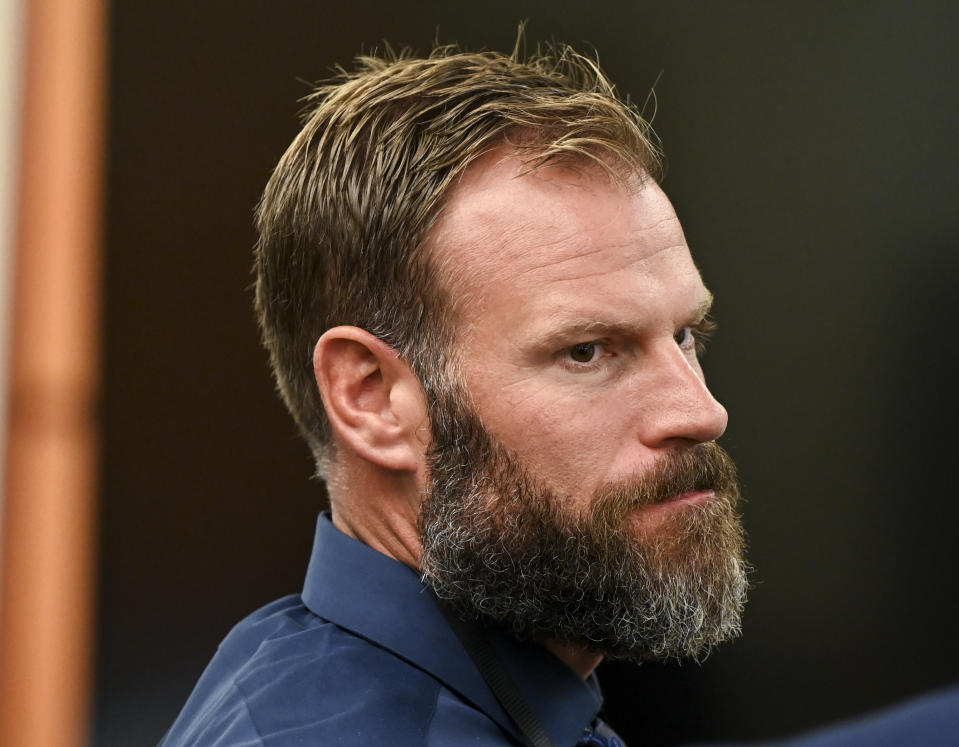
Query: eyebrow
(575, 327)
(702, 311)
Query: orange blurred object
(50, 481)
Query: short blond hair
(345, 218)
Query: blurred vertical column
(46, 597)
(11, 74)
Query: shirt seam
(432, 716)
(248, 711)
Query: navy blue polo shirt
(365, 657)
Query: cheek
(575, 446)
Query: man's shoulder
(285, 676)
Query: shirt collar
(384, 601)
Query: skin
(561, 266)
(582, 301)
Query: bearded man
(483, 315)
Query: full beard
(500, 546)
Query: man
(482, 313)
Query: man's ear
(373, 399)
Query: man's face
(585, 417)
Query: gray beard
(500, 546)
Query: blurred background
(813, 151)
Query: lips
(693, 497)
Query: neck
(383, 536)
(378, 509)
(579, 659)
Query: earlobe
(373, 399)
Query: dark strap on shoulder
(484, 656)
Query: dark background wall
(813, 151)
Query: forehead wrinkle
(629, 263)
(584, 241)
(554, 263)
(580, 250)
(581, 246)
(485, 240)
(660, 223)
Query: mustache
(704, 466)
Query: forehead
(561, 241)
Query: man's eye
(585, 352)
(696, 336)
(685, 338)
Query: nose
(678, 407)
